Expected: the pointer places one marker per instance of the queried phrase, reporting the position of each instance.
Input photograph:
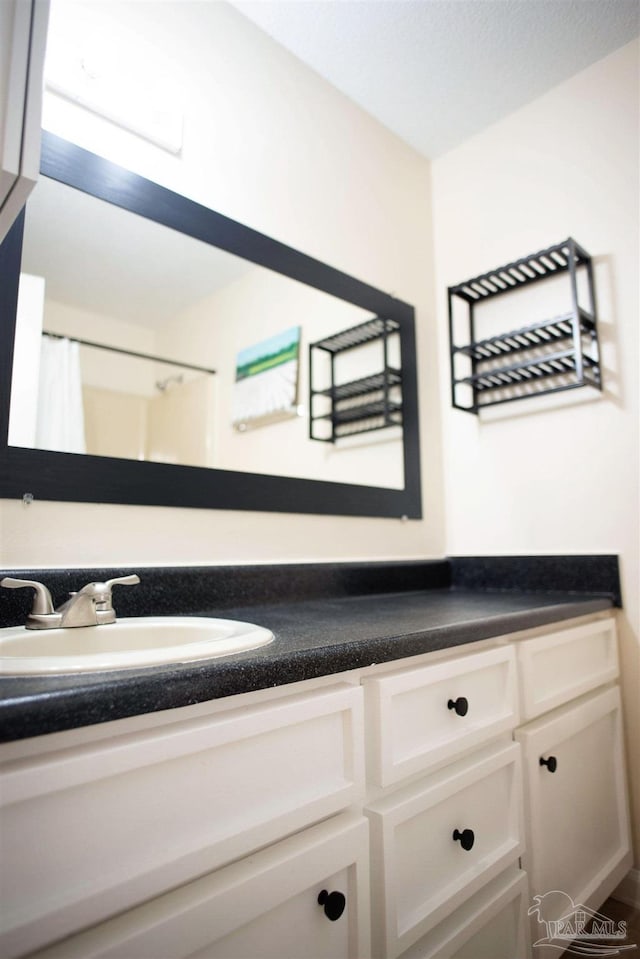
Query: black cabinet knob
(551, 763)
(466, 838)
(333, 902)
(461, 705)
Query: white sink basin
(126, 644)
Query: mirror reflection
(137, 342)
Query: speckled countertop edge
(313, 638)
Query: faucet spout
(92, 606)
(79, 610)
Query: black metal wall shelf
(548, 356)
(361, 405)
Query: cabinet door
(438, 842)
(23, 33)
(305, 898)
(423, 718)
(577, 824)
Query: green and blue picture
(266, 384)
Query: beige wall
(180, 426)
(556, 476)
(115, 423)
(269, 143)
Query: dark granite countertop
(313, 637)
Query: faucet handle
(131, 580)
(101, 592)
(42, 601)
(106, 587)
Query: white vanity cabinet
(105, 818)
(577, 820)
(455, 750)
(398, 810)
(447, 818)
(307, 897)
(23, 34)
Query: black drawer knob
(551, 763)
(461, 705)
(333, 902)
(466, 838)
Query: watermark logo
(576, 929)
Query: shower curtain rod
(140, 356)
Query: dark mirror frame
(71, 477)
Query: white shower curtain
(60, 423)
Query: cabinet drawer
(438, 842)
(493, 924)
(565, 664)
(264, 906)
(96, 829)
(423, 718)
(577, 817)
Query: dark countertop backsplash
(183, 590)
(570, 574)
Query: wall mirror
(167, 303)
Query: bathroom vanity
(401, 775)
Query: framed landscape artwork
(266, 382)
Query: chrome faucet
(90, 606)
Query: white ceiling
(437, 71)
